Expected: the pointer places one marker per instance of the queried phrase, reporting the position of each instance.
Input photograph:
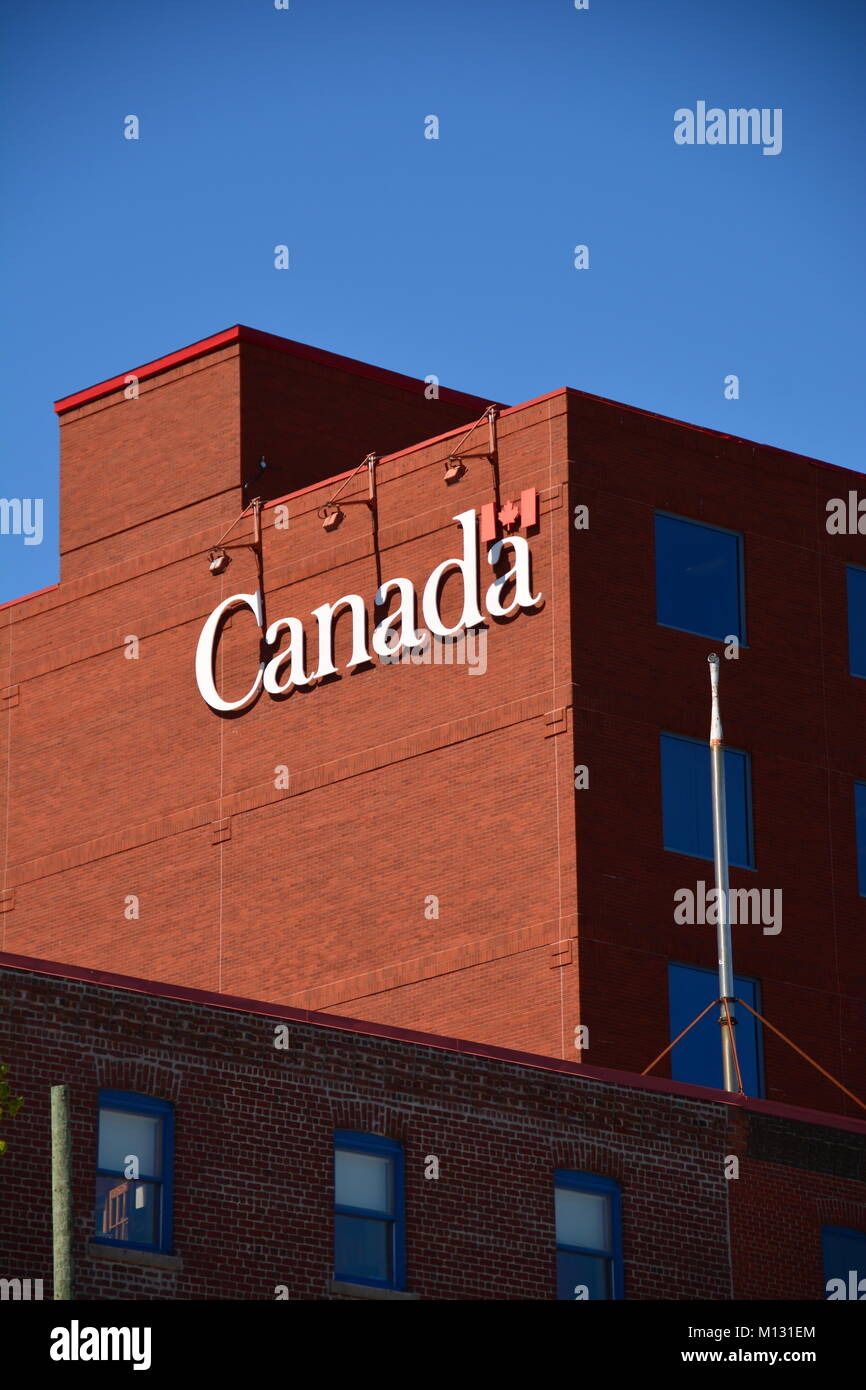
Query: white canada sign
(286, 668)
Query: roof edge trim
(240, 333)
(239, 1004)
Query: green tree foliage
(9, 1104)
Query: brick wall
(319, 893)
(168, 449)
(253, 1137)
(788, 700)
(555, 906)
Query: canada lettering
(286, 668)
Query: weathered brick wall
(254, 1126)
(780, 1258)
(253, 1133)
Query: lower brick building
(287, 1154)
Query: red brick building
(405, 842)
(485, 840)
(253, 1209)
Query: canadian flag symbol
(512, 516)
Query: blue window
(698, 1057)
(588, 1237)
(856, 621)
(687, 807)
(699, 578)
(134, 1171)
(368, 1210)
(844, 1254)
(860, 823)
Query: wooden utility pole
(61, 1192)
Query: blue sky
(305, 127)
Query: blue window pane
(687, 809)
(582, 1219)
(860, 820)
(857, 621)
(573, 1270)
(588, 1236)
(698, 584)
(698, 1056)
(133, 1198)
(844, 1254)
(124, 1135)
(369, 1236)
(364, 1180)
(363, 1248)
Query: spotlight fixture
(219, 561)
(218, 557)
(331, 514)
(454, 464)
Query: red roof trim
(160, 364)
(162, 990)
(241, 334)
(22, 597)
